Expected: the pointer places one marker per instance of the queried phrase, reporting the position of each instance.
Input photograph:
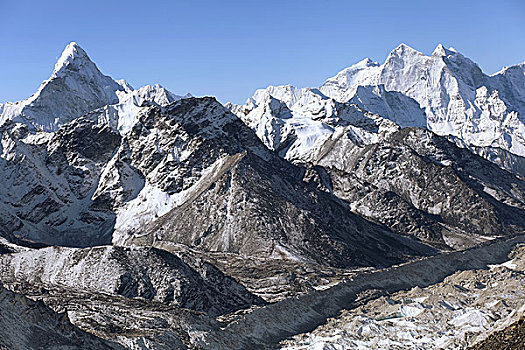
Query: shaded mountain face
(48, 180)
(28, 324)
(55, 147)
(190, 173)
(143, 195)
(152, 167)
(416, 182)
(222, 190)
(411, 180)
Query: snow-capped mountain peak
(441, 50)
(77, 87)
(364, 63)
(125, 85)
(73, 56)
(445, 92)
(403, 50)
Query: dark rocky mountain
(145, 273)
(251, 202)
(416, 182)
(28, 324)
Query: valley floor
(449, 301)
(453, 314)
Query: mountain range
(154, 220)
(445, 92)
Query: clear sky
(228, 49)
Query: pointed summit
(364, 63)
(403, 50)
(125, 85)
(74, 58)
(442, 51)
(75, 87)
(72, 51)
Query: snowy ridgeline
(89, 160)
(444, 92)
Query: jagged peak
(150, 87)
(442, 51)
(403, 50)
(260, 94)
(125, 85)
(250, 101)
(366, 62)
(199, 109)
(158, 93)
(288, 87)
(72, 53)
(363, 64)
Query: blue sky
(228, 49)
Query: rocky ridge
(28, 324)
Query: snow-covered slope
(444, 92)
(210, 184)
(124, 113)
(179, 185)
(351, 127)
(75, 87)
(457, 97)
(295, 122)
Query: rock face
(28, 324)
(190, 173)
(511, 338)
(54, 154)
(143, 273)
(410, 180)
(245, 200)
(48, 181)
(416, 182)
